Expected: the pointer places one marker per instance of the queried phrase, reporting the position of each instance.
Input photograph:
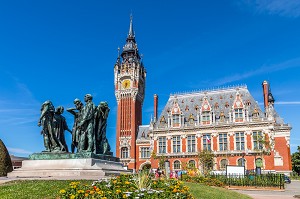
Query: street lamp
(167, 167)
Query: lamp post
(167, 167)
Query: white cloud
(286, 8)
(288, 103)
(263, 69)
(17, 150)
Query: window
(176, 164)
(257, 140)
(240, 141)
(223, 164)
(176, 120)
(238, 114)
(205, 117)
(191, 143)
(176, 144)
(192, 164)
(145, 152)
(162, 145)
(241, 162)
(206, 140)
(124, 152)
(223, 141)
(259, 162)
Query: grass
(34, 189)
(207, 192)
(48, 189)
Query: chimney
(265, 86)
(155, 106)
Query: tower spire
(131, 32)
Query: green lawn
(39, 189)
(207, 192)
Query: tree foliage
(5, 161)
(296, 161)
(206, 160)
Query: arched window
(259, 163)
(223, 164)
(242, 162)
(192, 164)
(177, 164)
(124, 152)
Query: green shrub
(5, 161)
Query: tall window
(124, 152)
(223, 164)
(176, 164)
(176, 120)
(192, 164)
(257, 140)
(205, 117)
(191, 143)
(162, 145)
(206, 140)
(240, 141)
(223, 141)
(145, 152)
(241, 162)
(238, 114)
(176, 144)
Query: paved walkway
(290, 191)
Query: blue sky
(61, 50)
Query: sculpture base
(69, 166)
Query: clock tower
(129, 80)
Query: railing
(263, 180)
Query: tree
(296, 161)
(161, 159)
(5, 161)
(206, 160)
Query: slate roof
(189, 102)
(143, 133)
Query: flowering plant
(127, 186)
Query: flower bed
(128, 186)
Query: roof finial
(118, 52)
(131, 33)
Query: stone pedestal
(77, 166)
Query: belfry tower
(129, 79)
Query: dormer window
(255, 114)
(206, 117)
(176, 120)
(222, 116)
(238, 114)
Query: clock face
(126, 84)
(205, 106)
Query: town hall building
(228, 122)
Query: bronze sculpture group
(88, 132)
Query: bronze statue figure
(51, 142)
(77, 118)
(86, 125)
(60, 125)
(101, 142)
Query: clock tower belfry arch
(129, 80)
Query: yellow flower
(124, 196)
(114, 181)
(92, 192)
(118, 191)
(62, 191)
(80, 191)
(127, 182)
(104, 198)
(154, 182)
(86, 194)
(72, 196)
